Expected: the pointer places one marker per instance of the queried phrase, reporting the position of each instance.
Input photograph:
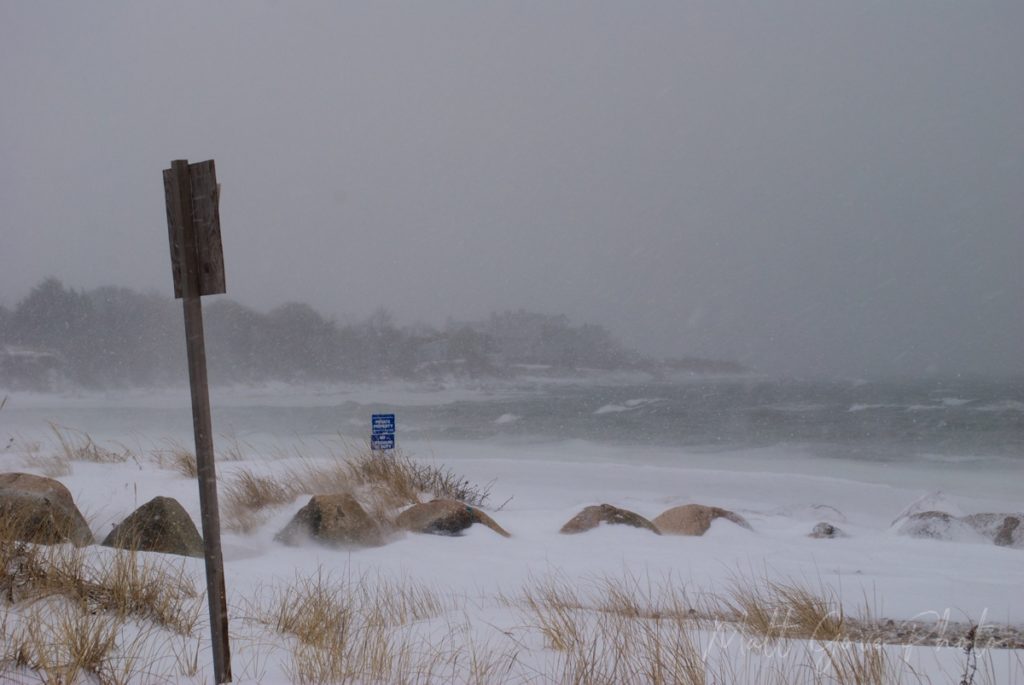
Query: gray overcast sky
(809, 187)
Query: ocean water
(967, 422)
(873, 421)
(776, 452)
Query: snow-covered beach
(535, 485)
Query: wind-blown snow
(541, 484)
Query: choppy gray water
(878, 421)
(950, 420)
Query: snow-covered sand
(535, 487)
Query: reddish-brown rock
(694, 519)
(444, 517)
(591, 517)
(333, 520)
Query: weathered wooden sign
(197, 264)
(205, 214)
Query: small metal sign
(383, 423)
(382, 432)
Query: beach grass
(78, 615)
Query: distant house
(28, 369)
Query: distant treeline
(113, 336)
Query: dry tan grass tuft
(311, 606)
(438, 480)
(32, 456)
(235, 451)
(184, 462)
(394, 475)
(345, 629)
(247, 496)
(152, 588)
(29, 570)
(612, 639)
(60, 643)
(858, 664)
(176, 457)
(774, 609)
(623, 631)
(76, 445)
(369, 628)
(86, 614)
(60, 640)
(383, 483)
(553, 606)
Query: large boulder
(591, 517)
(159, 525)
(40, 510)
(444, 517)
(936, 525)
(1009, 533)
(333, 520)
(694, 519)
(1001, 529)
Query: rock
(441, 517)
(485, 520)
(926, 523)
(1009, 534)
(333, 520)
(1001, 529)
(826, 530)
(159, 525)
(40, 510)
(937, 525)
(694, 519)
(444, 517)
(593, 516)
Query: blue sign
(382, 435)
(382, 423)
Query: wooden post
(186, 251)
